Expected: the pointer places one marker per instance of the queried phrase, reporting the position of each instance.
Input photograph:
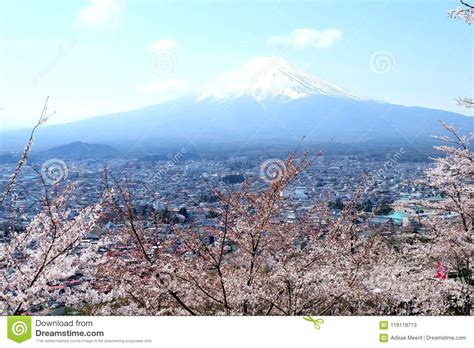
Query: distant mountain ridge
(79, 149)
(74, 150)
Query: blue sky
(103, 56)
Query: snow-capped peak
(265, 78)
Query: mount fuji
(268, 78)
(266, 101)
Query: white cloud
(163, 44)
(307, 38)
(101, 13)
(169, 87)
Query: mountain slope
(266, 101)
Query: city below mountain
(267, 101)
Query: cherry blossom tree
(46, 250)
(43, 253)
(257, 262)
(464, 12)
(450, 218)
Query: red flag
(441, 271)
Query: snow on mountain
(266, 78)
